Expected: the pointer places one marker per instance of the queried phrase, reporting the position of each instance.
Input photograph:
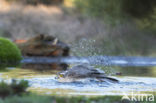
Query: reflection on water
(95, 60)
(43, 67)
(137, 71)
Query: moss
(9, 53)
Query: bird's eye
(61, 75)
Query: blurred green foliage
(57, 99)
(4, 33)
(100, 8)
(35, 2)
(123, 39)
(119, 11)
(148, 23)
(117, 8)
(15, 88)
(19, 87)
(138, 8)
(10, 55)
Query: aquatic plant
(15, 88)
(10, 55)
(5, 90)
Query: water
(96, 60)
(126, 85)
(137, 75)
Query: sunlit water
(132, 80)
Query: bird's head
(60, 75)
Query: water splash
(85, 47)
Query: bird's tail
(110, 79)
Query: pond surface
(138, 79)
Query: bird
(80, 72)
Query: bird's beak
(56, 77)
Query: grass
(9, 53)
(53, 99)
(33, 98)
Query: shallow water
(96, 60)
(45, 83)
(139, 79)
(126, 85)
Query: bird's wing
(85, 72)
(110, 79)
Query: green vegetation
(9, 53)
(15, 88)
(16, 93)
(32, 98)
(4, 33)
(117, 9)
(141, 12)
(126, 38)
(148, 23)
(134, 22)
(103, 9)
(35, 2)
(47, 99)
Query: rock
(43, 45)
